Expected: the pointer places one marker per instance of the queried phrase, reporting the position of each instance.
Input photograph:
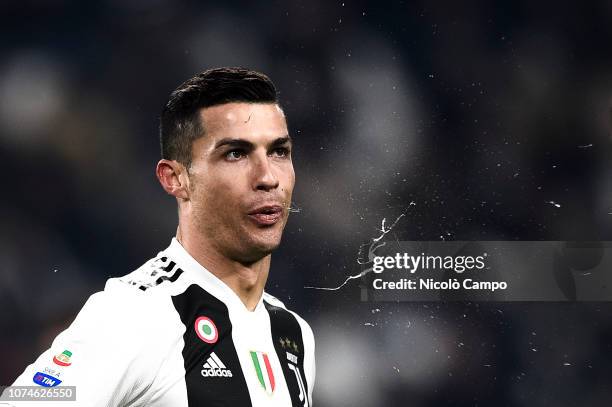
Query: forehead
(242, 120)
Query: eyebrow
(241, 143)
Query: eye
(281, 152)
(235, 155)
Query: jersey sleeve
(103, 353)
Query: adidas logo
(215, 368)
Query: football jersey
(172, 334)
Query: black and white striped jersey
(172, 334)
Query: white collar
(205, 278)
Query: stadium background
(492, 117)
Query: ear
(172, 176)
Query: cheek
(289, 181)
(206, 194)
(224, 195)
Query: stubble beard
(252, 245)
(238, 241)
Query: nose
(264, 177)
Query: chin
(255, 253)
(257, 243)
(266, 246)
(261, 246)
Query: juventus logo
(298, 377)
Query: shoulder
(132, 294)
(131, 305)
(160, 271)
(118, 341)
(147, 290)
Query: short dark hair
(180, 122)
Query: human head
(227, 159)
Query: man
(193, 325)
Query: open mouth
(267, 215)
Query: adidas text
(216, 373)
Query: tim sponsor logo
(46, 380)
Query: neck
(246, 280)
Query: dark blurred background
(492, 118)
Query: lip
(266, 215)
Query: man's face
(241, 179)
